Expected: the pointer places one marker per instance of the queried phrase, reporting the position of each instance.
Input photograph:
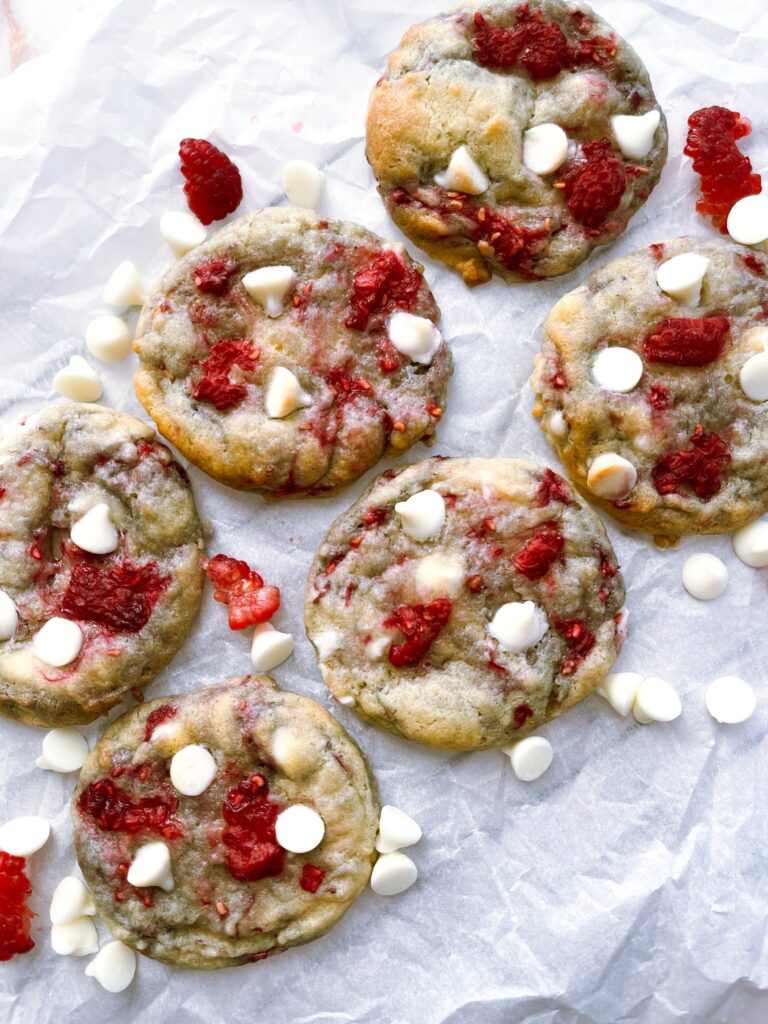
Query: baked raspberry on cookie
(225, 825)
(651, 387)
(464, 602)
(288, 354)
(100, 562)
(514, 137)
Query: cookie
(180, 813)
(100, 562)
(651, 387)
(513, 138)
(462, 603)
(288, 354)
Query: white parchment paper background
(629, 884)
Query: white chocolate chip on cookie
(193, 769)
(440, 574)
(95, 532)
(681, 277)
(422, 515)
(635, 133)
(299, 829)
(151, 866)
(611, 476)
(414, 336)
(518, 625)
(269, 286)
(617, 369)
(545, 148)
(58, 642)
(753, 377)
(284, 394)
(463, 174)
(9, 616)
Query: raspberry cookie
(464, 602)
(100, 562)
(288, 354)
(224, 825)
(652, 383)
(513, 138)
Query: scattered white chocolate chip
(750, 544)
(396, 830)
(376, 646)
(635, 132)
(414, 336)
(125, 287)
(656, 701)
(269, 286)
(748, 220)
(303, 183)
(347, 700)
(753, 377)
(193, 769)
(108, 338)
(284, 394)
(58, 642)
(530, 757)
(9, 617)
(270, 647)
(75, 938)
(182, 232)
(441, 573)
(392, 874)
(730, 700)
(299, 829)
(463, 174)
(617, 369)
(327, 642)
(681, 277)
(70, 901)
(422, 515)
(113, 967)
(620, 690)
(518, 625)
(151, 866)
(95, 532)
(78, 381)
(557, 424)
(545, 148)
(21, 837)
(64, 750)
(705, 577)
(611, 476)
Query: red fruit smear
(213, 188)
(212, 277)
(726, 174)
(249, 835)
(658, 397)
(685, 341)
(421, 624)
(375, 516)
(521, 715)
(15, 915)
(536, 558)
(158, 717)
(595, 183)
(311, 878)
(120, 597)
(215, 386)
(699, 467)
(389, 358)
(753, 263)
(552, 488)
(114, 810)
(240, 587)
(580, 640)
(481, 530)
(385, 283)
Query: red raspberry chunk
(421, 625)
(214, 385)
(658, 397)
(115, 810)
(385, 283)
(157, 718)
(700, 467)
(120, 597)
(536, 45)
(552, 488)
(213, 188)
(252, 849)
(311, 878)
(580, 640)
(15, 915)
(685, 341)
(212, 278)
(240, 587)
(536, 558)
(595, 183)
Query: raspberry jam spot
(213, 186)
(580, 641)
(538, 555)
(237, 585)
(699, 467)
(15, 915)
(157, 718)
(658, 397)
(249, 836)
(685, 341)
(311, 878)
(121, 597)
(726, 174)
(383, 284)
(594, 183)
(753, 263)
(114, 810)
(212, 278)
(521, 714)
(214, 385)
(552, 488)
(421, 625)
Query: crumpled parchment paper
(629, 883)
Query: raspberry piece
(513, 245)
(595, 183)
(552, 488)
(700, 467)
(214, 385)
(213, 188)
(240, 587)
(726, 174)
(658, 397)
(521, 715)
(252, 849)
(538, 46)
(421, 625)
(311, 878)
(212, 278)
(157, 718)
(15, 915)
(385, 283)
(114, 810)
(120, 597)
(685, 341)
(536, 558)
(580, 641)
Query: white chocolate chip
(270, 647)
(70, 901)
(557, 424)
(125, 287)
(113, 967)
(463, 174)
(750, 544)
(151, 866)
(182, 232)
(392, 874)
(730, 700)
(530, 757)
(269, 286)
(64, 750)
(303, 183)
(620, 690)
(76, 938)
(78, 381)
(58, 642)
(704, 576)
(681, 277)
(21, 837)
(327, 643)
(753, 377)
(9, 617)
(299, 829)
(108, 338)
(347, 700)
(414, 336)
(611, 476)
(518, 625)
(635, 132)
(656, 701)
(193, 769)
(95, 532)
(440, 574)
(376, 646)
(396, 830)
(284, 394)
(422, 515)
(643, 443)
(545, 148)
(617, 369)
(748, 220)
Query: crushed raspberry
(700, 467)
(513, 245)
(580, 641)
(389, 358)
(521, 715)
(685, 341)
(120, 597)
(114, 810)
(15, 915)
(158, 717)
(552, 488)
(375, 516)
(311, 878)
(385, 283)
(726, 174)
(658, 397)
(594, 183)
(608, 569)
(536, 558)
(212, 277)
(252, 849)
(214, 385)
(421, 625)
(753, 263)
(213, 187)
(237, 585)
(481, 530)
